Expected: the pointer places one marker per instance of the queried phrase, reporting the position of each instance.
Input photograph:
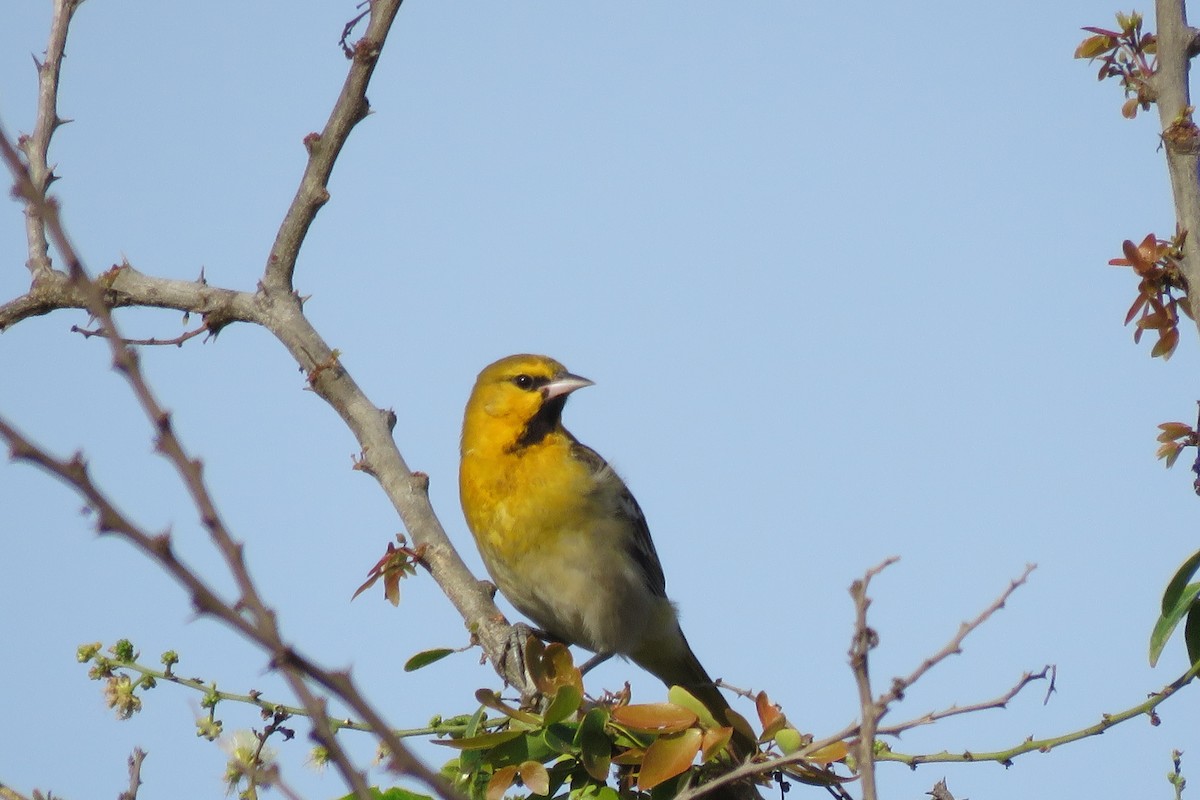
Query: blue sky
(840, 279)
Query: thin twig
(255, 699)
(135, 774)
(248, 617)
(323, 148)
(863, 637)
(954, 646)
(1031, 744)
(177, 341)
(280, 311)
(999, 702)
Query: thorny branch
(865, 637)
(276, 307)
(999, 702)
(37, 145)
(249, 615)
(1032, 745)
(864, 640)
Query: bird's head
(517, 401)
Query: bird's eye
(523, 382)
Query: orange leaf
(1134, 256)
(829, 753)
(1154, 321)
(685, 699)
(551, 667)
(1172, 457)
(769, 714)
(654, 717)
(1168, 340)
(740, 724)
(714, 742)
(535, 777)
(629, 757)
(1138, 305)
(668, 756)
(501, 780)
(1173, 430)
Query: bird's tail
(675, 664)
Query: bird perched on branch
(560, 533)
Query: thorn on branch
(940, 792)
(330, 363)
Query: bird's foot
(514, 660)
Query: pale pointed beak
(564, 385)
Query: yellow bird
(560, 533)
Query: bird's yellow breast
(519, 502)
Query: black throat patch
(544, 422)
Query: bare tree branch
(1032, 745)
(323, 149)
(954, 646)
(37, 144)
(247, 615)
(276, 307)
(862, 642)
(864, 638)
(124, 286)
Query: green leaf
(527, 747)
(560, 739)
(425, 658)
(565, 703)
(490, 699)
(682, 697)
(1094, 46)
(1176, 586)
(394, 793)
(789, 740)
(1170, 618)
(1191, 633)
(484, 741)
(595, 749)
